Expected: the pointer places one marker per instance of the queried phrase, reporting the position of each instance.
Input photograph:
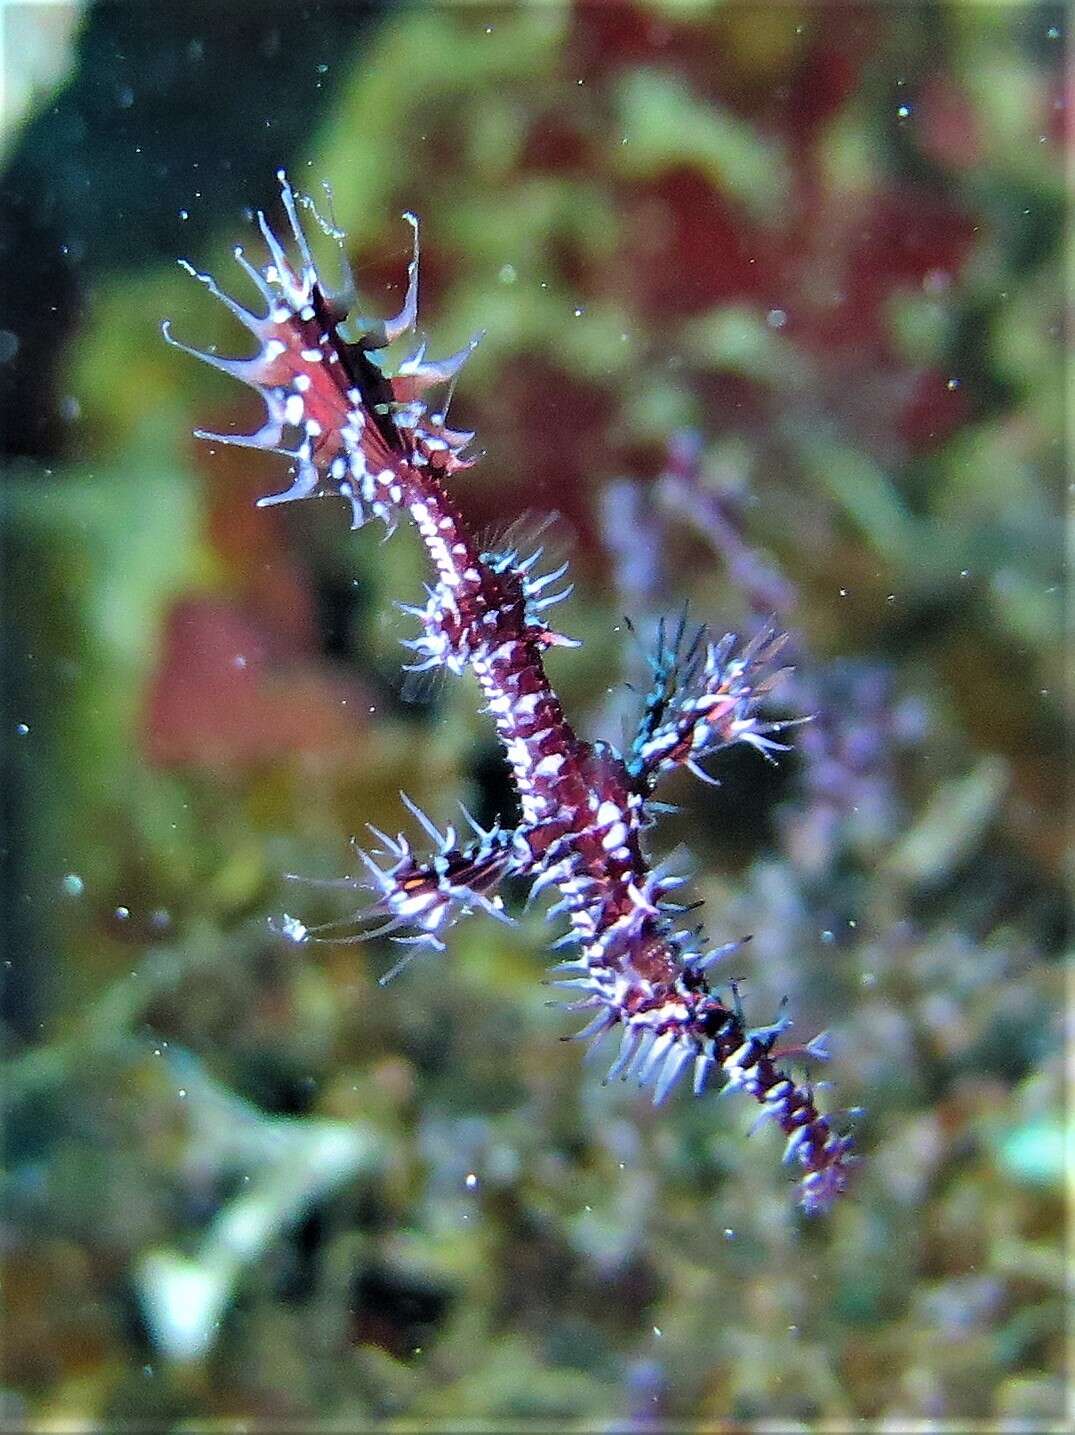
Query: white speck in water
(508, 274)
(729, 1234)
(292, 928)
(868, 979)
(122, 913)
(182, 1093)
(843, 592)
(776, 318)
(953, 383)
(73, 884)
(184, 214)
(657, 1331)
(22, 728)
(471, 1181)
(239, 661)
(904, 112)
(579, 313)
(1053, 32)
(827, 936)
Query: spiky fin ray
(705, 697)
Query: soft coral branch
(373, 440)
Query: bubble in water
(471, 1181)
(22, 728)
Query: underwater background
(775, 324)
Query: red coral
(217, 701)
